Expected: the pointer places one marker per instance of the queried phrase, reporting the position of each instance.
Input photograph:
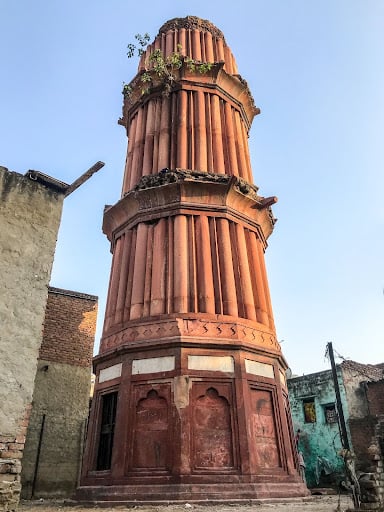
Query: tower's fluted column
(228, 285)
(140, 258)
(180, 265)
(159, 270)
(204, 265)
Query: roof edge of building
(47, 181)
(71, 293)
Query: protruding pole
(84, 177)
(38, 457)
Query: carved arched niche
(151, 433)
(212, 432)
(264, 431)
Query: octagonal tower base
(202, 415)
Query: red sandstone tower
(190, 398)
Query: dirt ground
(312, 504)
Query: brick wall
(367, 438)
(11, 450)
(69, 328)
(375, 397)
(362, 430)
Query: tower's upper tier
(194, 115)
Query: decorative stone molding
(166, 176)
(191, 328)
(173, 192)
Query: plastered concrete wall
(61, 396)
(318, 440)
(354, 374)
(30, 215)
(356, 399)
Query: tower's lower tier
(191, 418)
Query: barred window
(330, 413)
(107, 429)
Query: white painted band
(211, 363)
(112, 372)
(257, 368)
(153, 365)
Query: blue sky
(315, 69)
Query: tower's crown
(194, 38)
(190, 23)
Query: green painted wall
(319, 440)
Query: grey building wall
(62, 397)
(353, 375)
(30, 214)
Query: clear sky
(315, 68)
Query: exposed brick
(12, 454)
(21, 432)
(9, 478)
(362, 431)
(69, 328)
(15, 446)
(375, 397)
(7, 439)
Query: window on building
(330, 413)
(309, 410)
(107, 428)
